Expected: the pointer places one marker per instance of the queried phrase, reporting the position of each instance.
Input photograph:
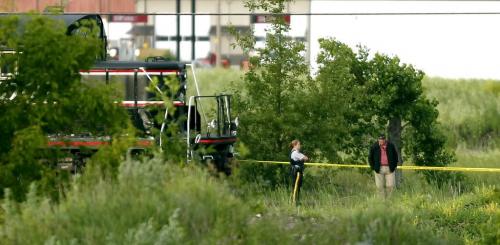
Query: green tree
(44, 95)
(279, 101)
(278, 78)
(341, 77)
(383, 95)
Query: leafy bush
(45, 96)
(278, 92)
(265, 175)
(466, 107)
(146, 201)
(155, 202)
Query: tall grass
(469, 111)
(154, 202)
(479, 159)
(157, 203)
(214, 81)
(467, 214)
(149, 203)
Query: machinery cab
(212, 130)
(147, 90)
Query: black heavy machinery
(205, 122)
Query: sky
(452, 46)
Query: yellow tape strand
(295, 188)
(332, 165)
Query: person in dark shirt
(297, 160)
(383, 159)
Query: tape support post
(336, 165)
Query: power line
(280, 14)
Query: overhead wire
(278, 14)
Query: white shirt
(297, 156)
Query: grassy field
(154, 202)
(214, 81)
(160, 203)
(469, 111)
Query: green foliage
(381, 92)
(96, 107)
(45, 96)
(215, 81)
(48, 60)
(154, 202)
(338, 113)
(469, 111)
(21, 170)
(274, 86)
(26, 165)
(342, 77)
(468, 114)
(267, 175)
(348, 197)
(107, 160)
(149, 202)
(279, 93)
(173, 145)
(395, 87)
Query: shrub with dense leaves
(45, 96)
(154, 202)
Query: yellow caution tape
(331, 165)
(296, 188)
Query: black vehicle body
(73, 23)
(215, 141)
(134, 78)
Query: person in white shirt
(297, 160)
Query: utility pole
(218, 34)
(178, 38)
(308, 34)
(193, 29)
(145, 24)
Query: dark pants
(294, 170)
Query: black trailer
(205, 122)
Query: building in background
(211, 32)
(117, 26)
(133, 36)
(87, 6)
